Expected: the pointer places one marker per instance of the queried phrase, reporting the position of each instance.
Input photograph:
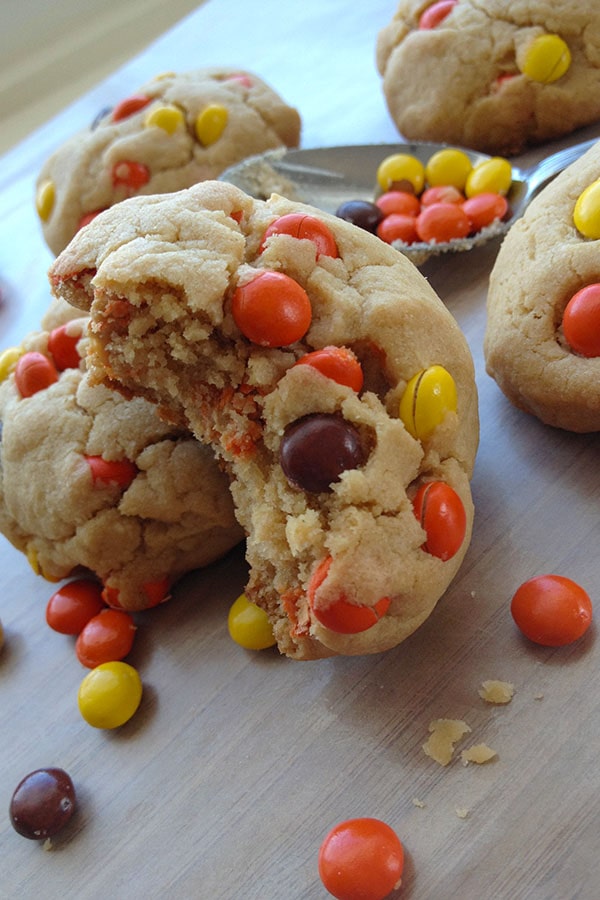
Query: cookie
(92, 481)
(178, 129)
(493, 75)
(542, 342)
(328, 376)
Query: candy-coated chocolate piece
(169, 118)
(129, 106)
(449, 166)
(441, 193)
(400, 202)
(62, 344)
(110, 694)
(361, 859)
(546, 59)
(429, 396)
(44, 199)
(441, 222)
(362, 213)
(398, 227)
(342, 616)
(338, 363)
(491, 176)
(401, 167)
(210, 123)
(272, 309)
(241, 78)
(483, 209)
(71, 607)
(301, 226)
(586, 214)
(552, 610)
(316, 449)
(442, 515)
(155, 591)
(106, 637)
(8, 361)
(130, 174)
(42, 803)
(436, 13)
(34, 372)
(581, 321)
(249, 625)
(112, 471)
(87, 218)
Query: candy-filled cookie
(330, 379)
(92, 481)
(493, 75)
(542, 341)
(174, 131)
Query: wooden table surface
(238, 763)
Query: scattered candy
(581, 321)
(398, 227)
(272, 310)
(442, 515)
(106, 637)
(337, 363)
(249, 625)
(42, 803)
(342, 616)
(492, 176)
(546, 59)
(428, 397)
(169, 118)
(128, 107)
(362, 213)
(62, 345)
(399, 202)
(44, 200)
(301, 226)
(483, 209)
(317, 448)
(110, 695)
(551, 610)
(72, 606)
(361, 859)
(448, 167)
(401, 167)
(586, 214)
(210, 124)
(112, 471)
(34, 372)
(441, 193)
(436, 13)
(442, 222)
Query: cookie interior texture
(162, 144)
(462, 81)
(543, 261)
(158, 275)
(174, 516)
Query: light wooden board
(237, 764)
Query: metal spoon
(328, 176)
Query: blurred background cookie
(174, 131)
(493, 75)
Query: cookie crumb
(462, 812)
(538, 696)
(498, 692)
(444, 735)
(478, 753)
(418, 803)
(48, 845)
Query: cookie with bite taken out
(327, 375)
(92, 481)
(174, 131)
(493, 75)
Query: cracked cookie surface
(220, 308)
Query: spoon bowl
(328, 176)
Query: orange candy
(34, 372)
(442, 515)
(436, 13)
(301, 226)
(581, 321)
(72, 606)
(272, 310)
(113, 471)
(342, 616)
(551, 610)
(63, 346)
(129, 173)
(441, 193)
(483, 209)
(361, 859)
(442, 222)
(398, 227)
(155, 591)
(107, 637)
(337, 363)
(401, 202)
(129, 106)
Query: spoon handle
(545, 170)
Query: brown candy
(42, 804)
(317, 448)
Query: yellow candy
(8, 361)
(249, 625)
(586, 214)
(546, 59)
(109, 695)
(44, 199)
(493, 176)
(428, 397)
(169, 118)
(210, 124)
(32, 559)
(448, 167)
(401, 167)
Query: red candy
(72, 606)
(581, 321)
(398, 227)
(441, 513)
(551, 610)
(107, 637)
(87, 218)
(156, 592)
(442, 222)
(114, 471)
(342, 616)
(401, 202)
(129, 106)
(63, 347)
(337, 363)
(483, 209)
(129, 173)
(34, 372)
(272, 310)
(300, 226)
(361, 859)
(436, 13)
